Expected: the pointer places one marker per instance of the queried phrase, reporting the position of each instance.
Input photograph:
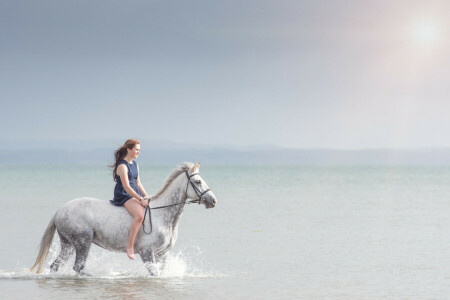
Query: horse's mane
(177, 171)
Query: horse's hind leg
(64, 254)
(82, 243)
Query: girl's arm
(139, 184)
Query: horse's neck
(174, 194)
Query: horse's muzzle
(209, 201)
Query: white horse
(84, 221)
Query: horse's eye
(198, 182)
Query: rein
(200, 200)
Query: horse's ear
(196, 167)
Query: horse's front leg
(162, 259)
(148, 257)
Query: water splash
(102, 264)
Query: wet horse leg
(148, 257)
(162, 259)
(64, 254)
(82, 243)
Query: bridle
(200, 200)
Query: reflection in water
(122, 288)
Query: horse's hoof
(83, 273)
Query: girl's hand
(144, 203)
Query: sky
(296, 74)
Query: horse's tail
(46, 242)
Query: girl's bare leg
(135, 209)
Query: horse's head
(197, 189)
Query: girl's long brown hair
(121, 152)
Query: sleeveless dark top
(120, 194)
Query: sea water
(284, 232)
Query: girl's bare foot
(130, 253)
